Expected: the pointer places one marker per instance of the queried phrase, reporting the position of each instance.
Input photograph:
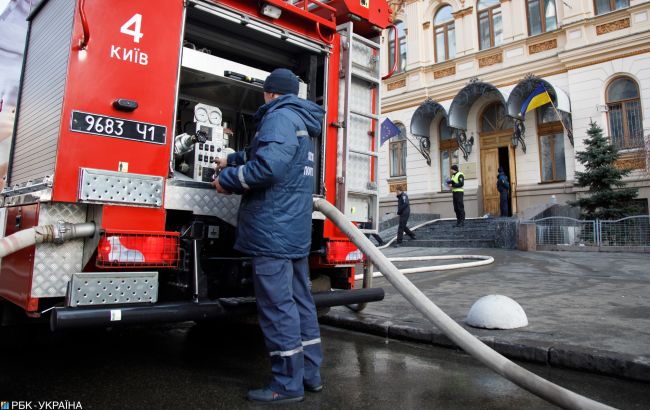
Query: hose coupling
(64, 231)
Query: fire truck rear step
(102, 186)
(109, 288)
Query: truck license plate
(96, 124)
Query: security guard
(403, 211)
(456, 183)
(275, 178)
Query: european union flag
(388, 131)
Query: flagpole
(415, 146)
(559, 116)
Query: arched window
(444, 37)
(397, 150)
(448, 153)
(551, 145)
(489, 23)
(541, 16)
(605, 6)
(401, 36)
(494, 119)
(624, 113)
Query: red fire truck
(122, 108)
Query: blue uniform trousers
(503, 203)
(287, 316)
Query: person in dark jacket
(456, 184)
(275, 178)
(403, 211)
(503, 186)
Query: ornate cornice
(414, 98)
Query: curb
(564, 356)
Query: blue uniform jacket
(403, 206)
(275, 178)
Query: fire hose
(533, 383)
(58, 233)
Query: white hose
(541, 387)
(19, 240)
(44, 233)
(387, 244)
(483, 260)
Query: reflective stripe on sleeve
(242, 181)
(286, 353)
(302, 133)
(310, 342)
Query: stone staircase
(476, 233)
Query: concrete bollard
(496, 312)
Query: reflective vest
(454, 179)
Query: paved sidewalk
(586, 310)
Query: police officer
(275, 178)
(456, 184)
(403, 211)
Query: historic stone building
(464, 69)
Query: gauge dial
(215, 117)
(201, 114)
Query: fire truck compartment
(225, 59)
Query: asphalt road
(212, 367)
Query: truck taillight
(342, 252)
(151, 250)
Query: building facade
(463, 71)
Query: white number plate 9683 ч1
(117, 128)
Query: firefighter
(275, 178)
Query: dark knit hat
(281, 81)
(454, 167)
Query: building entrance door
(495, 133)
(497, 151)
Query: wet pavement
(586, 310)
(212, 366)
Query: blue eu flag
(388, 131)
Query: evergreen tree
(608, 197)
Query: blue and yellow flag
(536, 99)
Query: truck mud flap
(69, 318)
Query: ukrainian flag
(536, 99)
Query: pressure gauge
(201, 114)
(215, 116)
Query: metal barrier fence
(558, 230)
(630, 231)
